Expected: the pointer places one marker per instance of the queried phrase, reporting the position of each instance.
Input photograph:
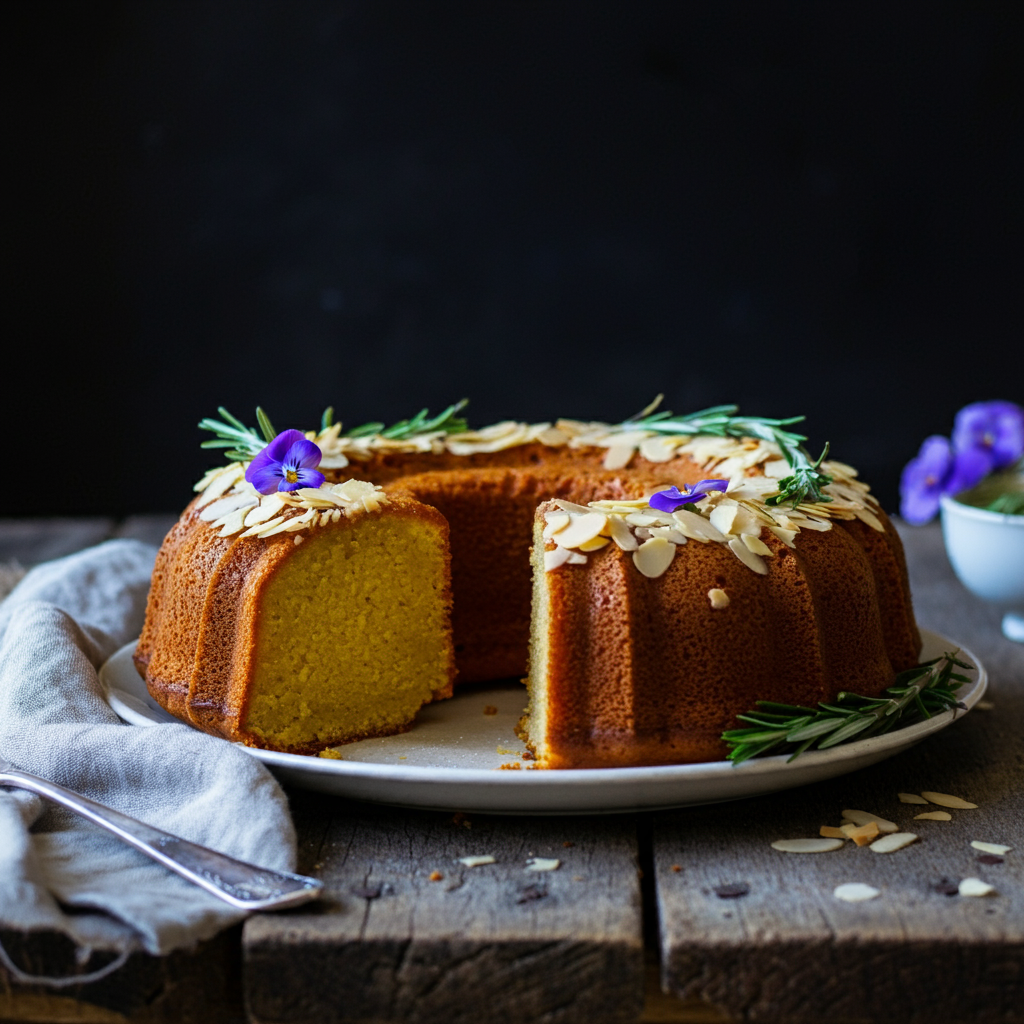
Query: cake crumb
(527, 755)
(677, 868)
(490, 709)
(436, 876)
(332, 755)
(567, 844)
(510, 767)
(718, 598)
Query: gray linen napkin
(58, 626)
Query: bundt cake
(300, 621)
(653, 624)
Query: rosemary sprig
(244, 442)
(918, 693)
(804, 484)
(1011, 504)
(447, 422)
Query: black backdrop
(552, 208)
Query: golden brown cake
(651, 630)
(316, 633)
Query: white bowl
(986, 550)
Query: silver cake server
(244, 886)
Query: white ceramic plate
(450, 759)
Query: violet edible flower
(673, 498)
(286, 464)
(938, 470)
(995, 428)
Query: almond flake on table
(855, 892)
(863, 817)
(542, 864)
(934, 816)
(893, 842)
(976, 887)
(861, 834)
(807, 845)
(911, 798)
(476, 862)
(945, 800)
(997, 848)
(830, 832)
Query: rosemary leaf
(916, 695)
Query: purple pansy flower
(286, 464)
(938, 470)
(994, 428)
(673, 498)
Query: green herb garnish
(244, 442)
(1011, 504)
(446, 422)
(804, 484)
(918, 693)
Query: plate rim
(898, 739)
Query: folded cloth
(58, 872)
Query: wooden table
(630, 927)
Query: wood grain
(487, 943)
(789, 950)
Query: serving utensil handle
(243, 885)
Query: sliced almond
(577, 558)
(232, 522)
(476, 862)
(830, 832)
(756, 545)
(976, 887)
(618, 456)
(223, 506)
(997, 848)
(556, 558)
(594, 544)
(807, 845)
(622, 534)
(911, 798)
(892, 843)
(866, 516)
(863, 817)
(724, 516)
(863, 834)
(542, 864)
(945, 800)
(697, 527)
(654, 556)
(747, 557)
(786, 536)
(719, 599)
(555, 521)
(642, 519)
(581, 529)
(855, 892)
(260, 528)
(571, 506)
(934, 816)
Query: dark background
(552, 208)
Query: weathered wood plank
(789, 950)
(493, 942)
(31, 541)
(198, 986)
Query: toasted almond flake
(911, 798)
(862, 834)
(478, 861)
(258, 529)
(863, 817)
(542, 864)
(227, 504)
(807, 845)
(621, 534)
(232, 522)
(892, 843)
(618, 456)
(945, 800)
(866, 516)
(984, 705)
(580, 529)
(654, 556)
(222, 482)
(696, 527)
(830, 832)
(855, 892)
(997, 848)
(571, 506)
(275, 526)
(718, 598)
(747, 557)
(756, 545)
(786, 536)
(555, 521)
(934, 816)
(976, 887)
(594, 544)
(724, 516)
(556, 558)
(642, 519)
(268, 508)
